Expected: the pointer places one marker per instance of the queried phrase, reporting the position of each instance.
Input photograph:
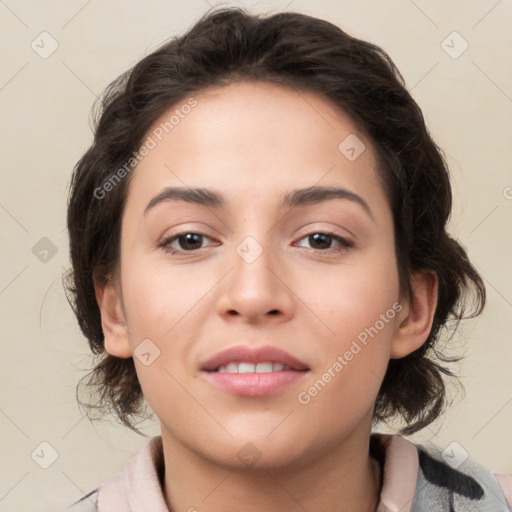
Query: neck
(345, 478)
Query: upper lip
(242, 353)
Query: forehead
(255, 138)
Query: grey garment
(87, 503)
(468, 487)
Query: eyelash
(345, 243)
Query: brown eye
(184, 242)
(322, 241)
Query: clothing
(414, 479)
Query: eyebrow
(292, 199)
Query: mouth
(244, 359)
(246, 371)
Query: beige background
(45, 104)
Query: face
(307, 283)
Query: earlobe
(113, 323)
(417, 315)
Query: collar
(138, 486)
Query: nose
(256, 286)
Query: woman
(259, 252)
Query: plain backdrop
(45, 102)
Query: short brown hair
(304, 53)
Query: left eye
(191, 241)
(324, 239)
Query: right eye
(187, 240)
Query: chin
(254, 451)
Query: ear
(113, 322)
(415, 319)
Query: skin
(253, 142)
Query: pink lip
(254, 384)
(253, 355)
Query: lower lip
(254, 384)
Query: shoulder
(135, 487)
(419, 477)
(87, 503)
(450, 478)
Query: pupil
(189, 240)
(320, 236)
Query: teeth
(244, 367)
(263, 367)
(231, 367)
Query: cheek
(353, 297)
(159, 307)
(159, 298)
(358, 309)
